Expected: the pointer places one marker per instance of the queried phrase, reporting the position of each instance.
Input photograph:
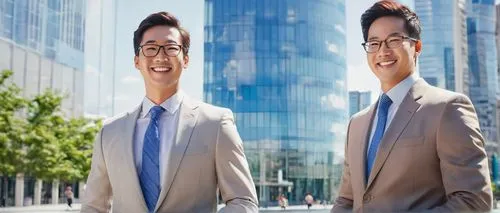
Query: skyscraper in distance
(358, 100)
(483, 67)
(280, 66)
(498, 68)
(100, 57)
(444, 60)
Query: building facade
(444, 60)
(100, 57)
(42, 42)
(497, 30)
(483, 67)
(358, 100)
(280, 66)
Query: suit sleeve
(344, 201)
(233, 174)
(97, 194)
(463, 159)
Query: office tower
(100, 57)
(497, 30)
(444, 60)
(280, 66)
(483, 72)
(358, 100)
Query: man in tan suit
(419, 148)
(171, 153)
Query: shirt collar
(171, 105)
(398, 92)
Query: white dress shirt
(168, 128)
(396, 94)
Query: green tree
(37, 139)
(11, 127)
(43, 148)
(77, 136)
(58, 148)
(12, 154)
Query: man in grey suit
(419, 148)
(171, 153)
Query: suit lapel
(363, 135)
(187, 121)
(403, 116)
(128, 139)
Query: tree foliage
(40, 140)
(12, 154)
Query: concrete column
(38, 192)
(55, 192)
(19, 194)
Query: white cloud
(338, 128)
(340, 83)
(340, 131)
(332, 47)
(340, 29)
(338, 150)
(130, 79)
(333, 101)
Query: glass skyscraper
(100, 55)
(53, 28)
(43, 44)
(358, 100)
(281, 67)
(483, 76)
(497, 30)
(459, 54)
(444, 60)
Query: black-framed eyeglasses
(152, 50)
(391, 42)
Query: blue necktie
(150, 172)
(383, 108)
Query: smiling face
(391, 66)
(161, 72)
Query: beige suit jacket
(207, 154)
(431, 158)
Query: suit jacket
(207, 154)
(430, 159)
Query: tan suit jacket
(431, 158)
(207, 154)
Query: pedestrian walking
(69, 196)
(309, 200)
(283, 202)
